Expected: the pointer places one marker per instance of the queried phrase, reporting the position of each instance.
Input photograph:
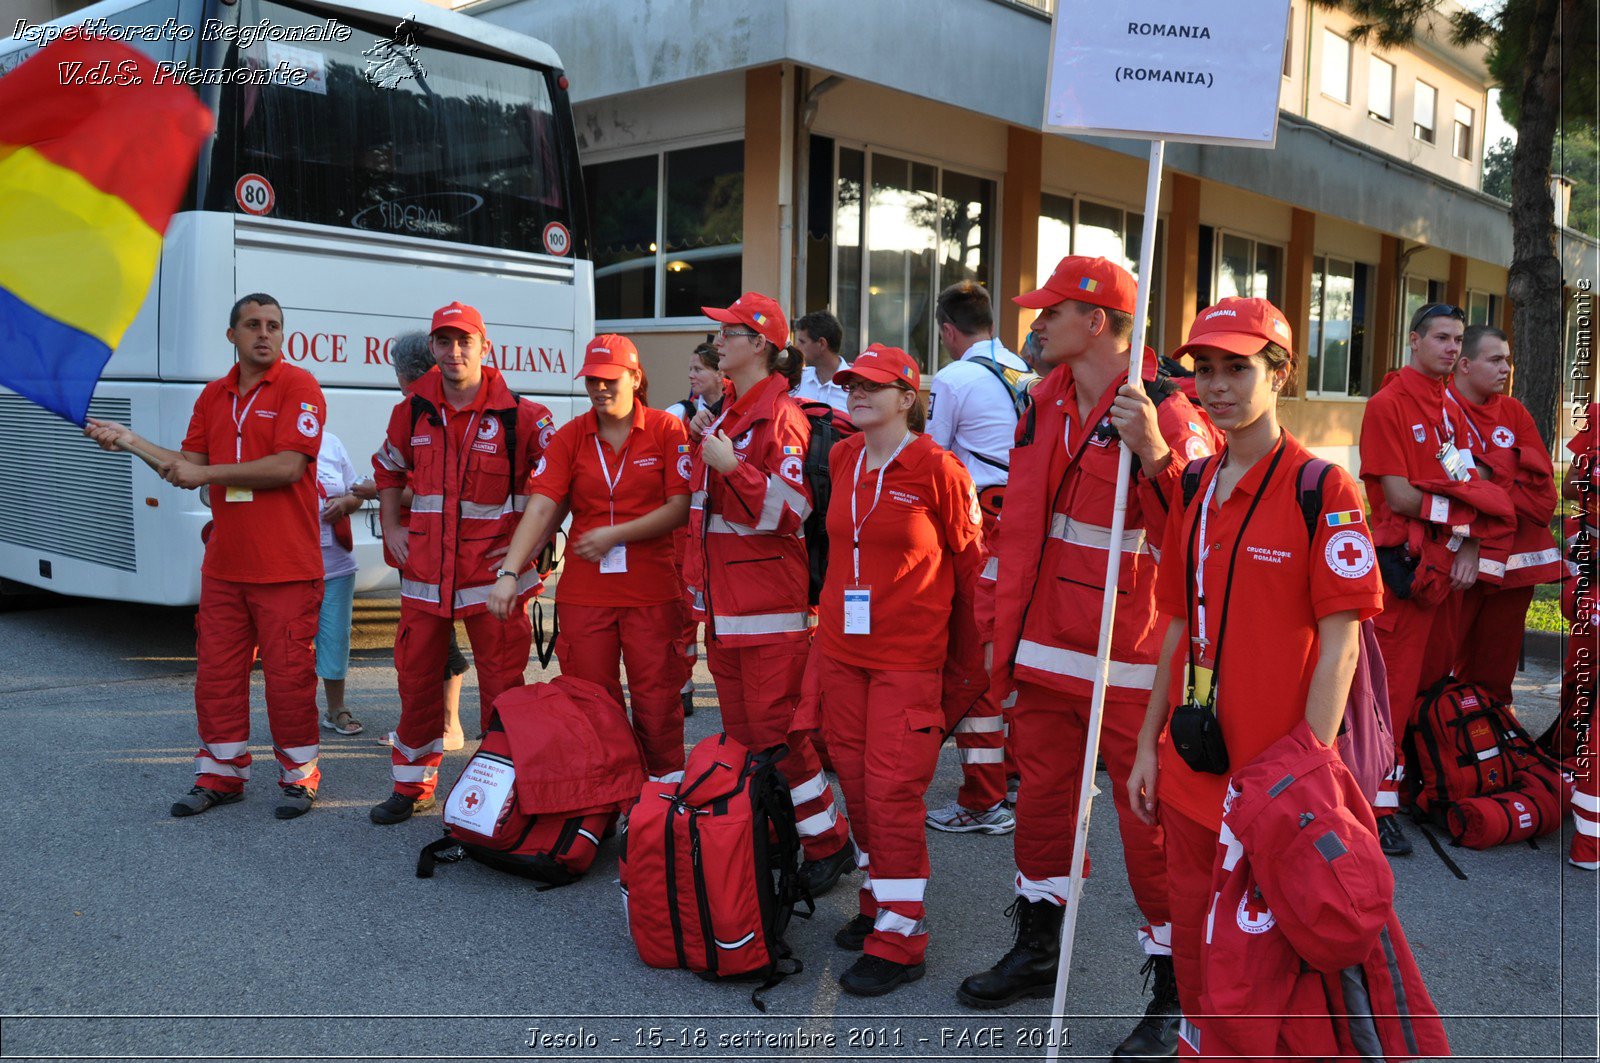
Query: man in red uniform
(1054, 539)
(1407, 438)
(1507, 449)
(469, 446)
(252, 442)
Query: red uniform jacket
(467, 499)
(1055, 533)
(1502, 435)
(1451, 508)
(1304, 956)
(746, 571)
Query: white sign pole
(1108, 610)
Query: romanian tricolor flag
(89, 177)
(1348, 516)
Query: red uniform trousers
(981, 734)
(758, 689)
(1191, 851)
(1050, 729)
(1419, 648)
(885, 756)
(1489, 636)
(597, 640)
(499, 652)
(234, 621)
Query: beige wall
(896, 121)
(1454, 84)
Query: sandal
(343, 723)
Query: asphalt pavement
(234, 935)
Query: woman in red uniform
(1275, 612)
(619, 600)
(904, 550)
(747, 572)
(705, 390)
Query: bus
(373, 160)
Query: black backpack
(828, 426)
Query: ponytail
(641, 390)
(917, 416)
(787, 362)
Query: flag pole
(1108, 609)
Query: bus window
(392, 135)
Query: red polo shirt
(925, 526)
(273, 535)
(1282, 585)
(652, 467)
(1402, 430)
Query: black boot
(1029, 969)
(1156, 1036)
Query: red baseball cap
(608, 357)
(1239, 326)
(760, 312)
(461, 316)
(881, 365)
(1097, 281)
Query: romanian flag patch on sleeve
(1339, 520)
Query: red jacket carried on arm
(1504, 438)
(469, 489)
(746, 570)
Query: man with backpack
(1046, 602)
(973, 407)
(467, 446)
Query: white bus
(415, 156)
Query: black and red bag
(710, 867)
(557, 764)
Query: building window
(1462, 141)
(1336, 344)
(1335, 67)
(1070, 226)
(1288, 46)
(668, 232)
(1415, 293)
(1422, 112)
(1380, 89)
(903, 230)
(1247, 269)
(1483, 309)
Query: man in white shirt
(972, 414)
(818, 336)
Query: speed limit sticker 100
(254, 194)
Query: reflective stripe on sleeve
(1059, 661)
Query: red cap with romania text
(759, 312)
(1097, 281)
(881, 365)
(461, 316)
(609, 356)
(1239, 326)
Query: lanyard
(857, 525)
(239, 420)
(466, 438)
(605, 473)
(1466, 419)
(1197, 589)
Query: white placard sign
(1168, 70)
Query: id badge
(239, 494)
(858, 610)
(1450, 460)
(616, 560)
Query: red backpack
(710, 867)
(557, 764)
(1478, 774)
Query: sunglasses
(871, 387)
(734, 333)
(1437, 310)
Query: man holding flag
(253, 443)
(1046, 592)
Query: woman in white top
(342, 491)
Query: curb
(1544, 645)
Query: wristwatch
(505, 572)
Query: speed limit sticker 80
(254, 194)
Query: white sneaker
(958, 820)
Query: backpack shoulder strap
(420, 408)
(1161, 388)
(1193, 473)
(1309, 491)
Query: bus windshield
(389, 134)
